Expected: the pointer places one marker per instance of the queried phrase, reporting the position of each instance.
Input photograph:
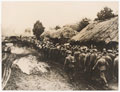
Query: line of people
(94, 64)
(101, 66)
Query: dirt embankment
(29, 73)
(6, 67)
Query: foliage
(57, 27)
(73, 26)
(61, 35)
(105, 13)
(38, 29)
(83, 23)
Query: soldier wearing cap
(92, 61)
(111, 54)
(115, 67)
(58, 53)
(66, 63)
(87, 64)
(101, 66)
(109, 69)
(69, 65)
(63, 54)
(82, 60)
(76, 56)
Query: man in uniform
(93, 57)
(58, 51)
(69, 65)
(87, 64)
(82, 60)
(53, 53)
(76, 56)
(63, 54)
(115, 67)
(101, 66)
(109, 70)
(111, 55)
(56, 54)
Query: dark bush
(38, 29)
(57, 27)
(105, 13)
(83, 23)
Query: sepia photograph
(59, 45)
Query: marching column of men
(96, 65)
(101, 66)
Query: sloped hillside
(99, 31)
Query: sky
(18, 16)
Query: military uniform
(115, 67)
(76, 56)
(69, 66)
(82, 61)
(109, 71)
(87, 65)
(111, 54)
(101, 66)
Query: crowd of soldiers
(76, 59)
